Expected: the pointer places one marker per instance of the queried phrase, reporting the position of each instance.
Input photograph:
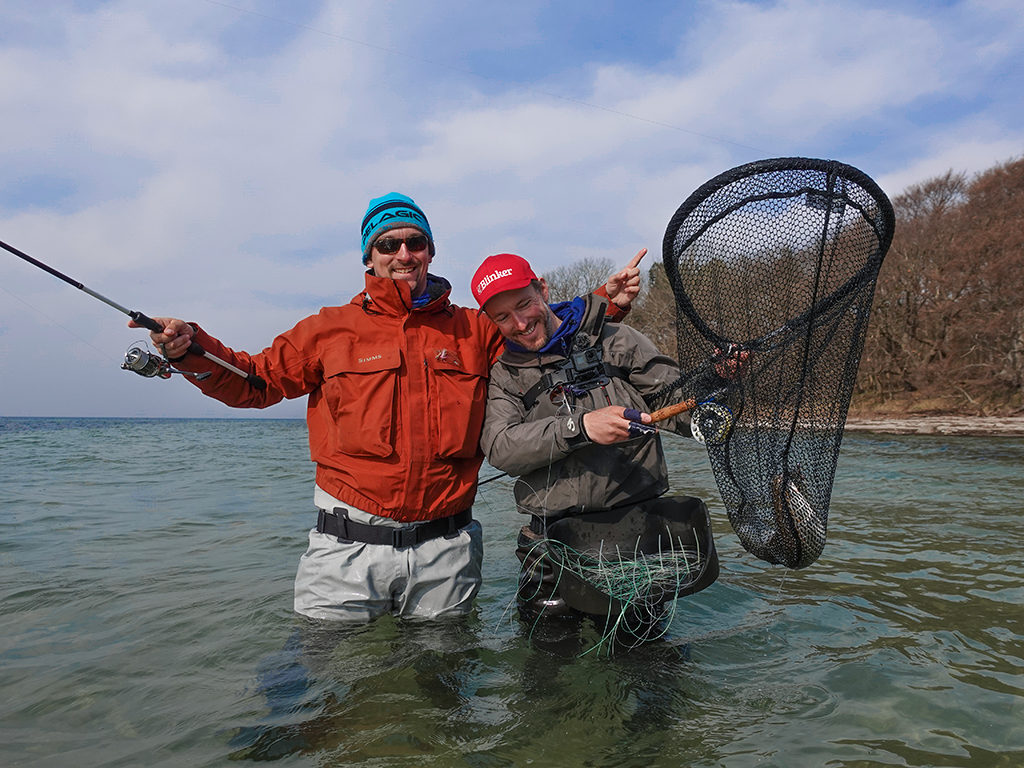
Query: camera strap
(583, 370)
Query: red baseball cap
(499, 273)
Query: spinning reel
(145, 363)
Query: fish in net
(773, 266)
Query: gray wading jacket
(559, 470)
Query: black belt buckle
(342, 532)
(404, 537)
(334, 524)
(458, 521)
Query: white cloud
(968, 149)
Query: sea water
(146, 574)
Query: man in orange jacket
(396, 383)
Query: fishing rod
(136, 359)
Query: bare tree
(577, 279)
(654, 311)
(906, 333)
(948, 322)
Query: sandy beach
(1010, 426)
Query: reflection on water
(418, 690)
(147, 621)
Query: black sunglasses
(390, 245)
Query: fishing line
(489, 479)
(138, 359)
(100, 354)
(645, 584)
(642, 588)
(512, 602)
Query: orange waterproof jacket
(396, 396)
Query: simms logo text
(368, 359)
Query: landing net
(776, 260)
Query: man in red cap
(566, 415)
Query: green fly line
(642, 587)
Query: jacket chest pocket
(360, 390)
(458, 397)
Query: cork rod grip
(673, 410)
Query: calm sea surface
(146, 574)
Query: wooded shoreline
(988, 426)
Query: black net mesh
(776, 259)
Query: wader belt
(337, 524)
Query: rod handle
(146, 322)
(673, 410)
(254, 381)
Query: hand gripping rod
(138, 317)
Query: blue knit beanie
(392, 211)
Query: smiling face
(523, 315)
(410, 266)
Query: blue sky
(212, 160)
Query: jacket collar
(394, 297)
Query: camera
(586, 359)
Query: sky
(213, 160)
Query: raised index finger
(636, 259)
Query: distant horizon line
(170, 418)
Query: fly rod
(141, 319)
